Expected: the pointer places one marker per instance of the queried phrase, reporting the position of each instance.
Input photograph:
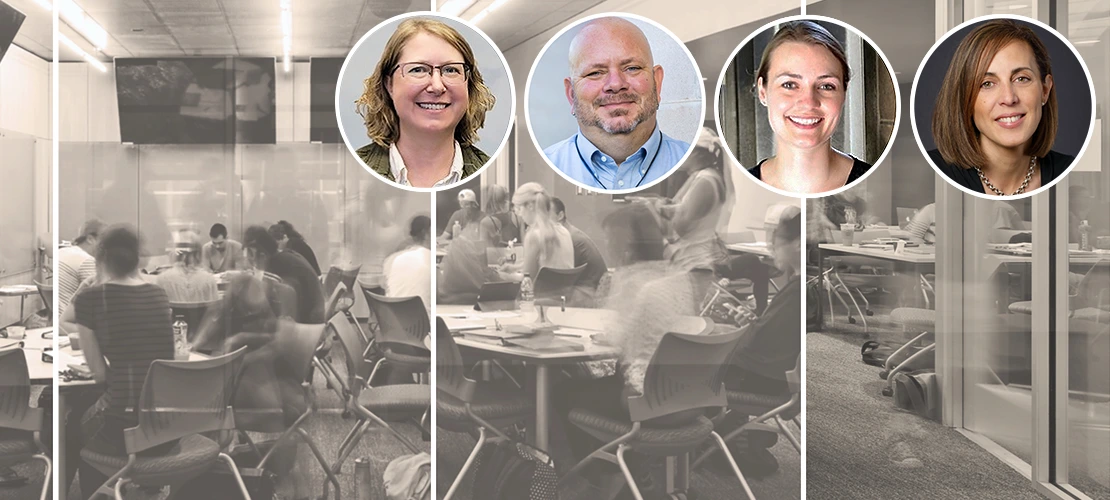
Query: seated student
(463, 271)
(124, 325)
(221, 254)
(500, 225)
(585, 253)
(922, 227)
(769, 349)
(408, 271)
(261, 251)
(467, 214)
(289, 239)
(546, 243)
(187, 281)
(645, 311)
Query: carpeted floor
(859, 446)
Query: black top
(301, 246)
(1052, 166)
(859, 167)
(296, 272)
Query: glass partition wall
(1024, 356)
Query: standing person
(423, 107)
(76, 263)
(221, 254)
(409, 272)
(546, 243)
(613, 91)
(585, 253)
(289, 239)
(262, 252)
(500, 225)
(187, 281)
(467, 216)
(124, 325)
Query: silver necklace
(1024, 184)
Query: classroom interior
(996, 297)
(283, 160)
(26, 282)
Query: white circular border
(890, 72)
(913, 110)
(512, 99)
(528, 91)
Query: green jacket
(377, 158)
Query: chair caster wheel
(888, 392)
(852, 320)
(870, 313)
(346, 415)
(883, 374)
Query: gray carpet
(859, 446)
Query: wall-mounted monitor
(199, 100)
(10, 21)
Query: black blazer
(1052, 166)
(859, 167)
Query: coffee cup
(75, 341)
(848, 232)
(16, 332)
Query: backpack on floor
(917, 392)
(408, 477)
(514, 471)
(876, 353)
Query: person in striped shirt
(76, 263)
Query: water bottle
(526, 294)
(456, 230)
(180, 339)
(364, 479)
(1084, 236)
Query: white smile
(1010, 119)
(805, 121)
(431, 105)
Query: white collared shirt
(401, 172)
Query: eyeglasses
(451, 73)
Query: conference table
(574, 324)
(760, 248)
(34, 342)
(21, 291)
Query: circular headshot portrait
(807, 105)
(614, 102)
(1002, 106)
(424, 101)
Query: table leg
(21, 299)
(542, 410)
(61, 488)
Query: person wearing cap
(467, 213)
(187, 281)
(76, 262)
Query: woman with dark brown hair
(996, 116)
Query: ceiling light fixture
(454, 7)
(81, 52)
(286, 34)
(486, 11)
(1085, 42)
(76, 18)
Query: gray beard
(587, 116)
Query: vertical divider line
(432, 367)
(54, 316)
(802, 326)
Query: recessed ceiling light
(136, 30)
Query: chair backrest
(354, 347)
(291, 365)
(46, 291)
(345, 275)
(335, 302)
(401, 320)
(181, 398)
(451, 376)
(553, 283)
(15, 393)
(686, 372)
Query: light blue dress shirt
(582, 161)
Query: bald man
(613, 91)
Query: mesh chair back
(451, 376)
(401, 320)
(686, 372)
(46, 291)
(337, 275)
(357, 365)
(335, 302)
(181, 398)
(15, 393)
(552, 284)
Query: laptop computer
(905, 215)
(498, 296)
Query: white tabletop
(33, 346)
(760, 248)
(882, 253)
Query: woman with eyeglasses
(423, 107)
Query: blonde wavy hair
(376, 107)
